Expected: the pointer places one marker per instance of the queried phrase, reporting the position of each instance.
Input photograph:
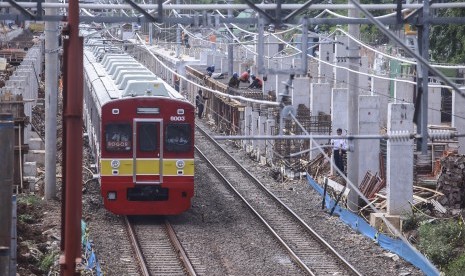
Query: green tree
(447, 42)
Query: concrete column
(403, 92)
(7, 136)
(458, 121)
(254, 127)
(340, 59)
(320, 98)
(339, 110)
(381, 88)
(261, 131)
(363, 80)
(270, 126)
(325, 71)
(300, 92)
(434, 106)
(247, 124)
(368, 124)
(51, 103)
(399, 160)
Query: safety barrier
(89, 257)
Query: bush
(438, 241)
(456, 267)
(47, 261)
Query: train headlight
(111, 195)
(115, 164)
(180, 164)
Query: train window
(147, 136)
(118, 137)
(178, 137)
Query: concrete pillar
(399, 160)
(247, 124)
(320, 98)
(270, 126)
(254, 127)
(434, 106)
(458, 121)
(339, 110)
(340, 59)
(403, 92)
(368, 124)
(300, 92)
(381, 89)
(339, 105)
(325, 71)
(364, 80)
(261, 131)
(7, 136)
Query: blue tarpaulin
(397, 246)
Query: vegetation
(447, 42)
(441, 242)
(47, 261)
(28, 200)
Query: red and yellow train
(141, 132)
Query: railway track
(308, 250)
(156, 247)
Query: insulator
(438, 134)
(399, 136)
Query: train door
(148, 151)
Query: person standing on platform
(340, 147)
(177, 80)
(213, 41)
(200, 103)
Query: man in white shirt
(339, 149)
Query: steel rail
(180, 250)
(135, 246)
(294, 256)
(317, 237)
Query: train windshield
(148, 136)
(178, 137)
(118, 137)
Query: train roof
(122, 77)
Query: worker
(245, 77)
(340, 147)
(234, 81)
(256, 83)
(210, 70)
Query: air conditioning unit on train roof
(121, 72)
(140, 87)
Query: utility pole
(230, 45)
(51, 96)
(178, 34)
(422, 80)
(7, 136)
(352, 110)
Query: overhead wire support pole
(422, 75)
(142, 11)
(353, 156)
(72, 142)
(260, 11)
(28, 15)
(301, 9)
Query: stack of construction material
(451, 182)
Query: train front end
(147, 156)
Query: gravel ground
(227, 242)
